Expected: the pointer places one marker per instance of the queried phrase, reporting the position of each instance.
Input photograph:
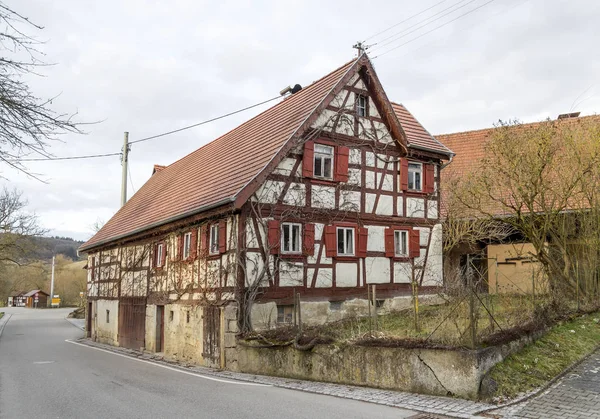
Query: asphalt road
(43, 376)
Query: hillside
(48, 246)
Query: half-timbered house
(330, 190)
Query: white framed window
(323, 166)
(160, 248)
(415, 176)
(361, 105)
(291, 238)
(187, 245)
(285, 314)
(345, 241)
(214, 239)
(401, 243)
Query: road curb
(73, 323)
(3, 322)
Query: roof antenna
(361, 47)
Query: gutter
(449, 153)
(159, 223)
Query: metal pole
(124, 168)
(52, 283)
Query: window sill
(346, 258)
(322, 181)
(291, 256)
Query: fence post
(471, 303)
(295, 309)
(374, 295)
(533, 287)
(369, 306)
(415, 296)
(299, 313)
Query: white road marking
(241, 383)
(44, 362)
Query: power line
(396, 37)
(205, 122)
(130, 178)
(479, 22)
(434, 29)
(89, 156)
(405, 20)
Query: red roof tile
(216, 172)
(416, 134)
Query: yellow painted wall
(510, 269)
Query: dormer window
(361, 105)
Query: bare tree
(27, 122)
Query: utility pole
(360, 47)
(124, 171)
(52, 283)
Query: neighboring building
(330, 190)
(17, 300)
(507, 266)
(36, 299)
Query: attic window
(187, 245)
(323, 166)
(415, 175)
(214, 239)
(361, 105)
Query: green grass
(539, 362)
(1, 314)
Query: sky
(148, 67)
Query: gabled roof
(417, 136)
(227, 170)
(33, 292)
(469, 146)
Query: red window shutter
(273, 236)
(194, 244)
(429, 178)
(363, 235)
(330, 241)
(222, 236)
(404, 174)
(415, 243)
(341, 163)
(164, 254)
(308, 159)
(390, 252)
(309, 239)
(155, 255)
(180, 247)
(204, 240)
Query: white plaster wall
(378, 270)
(107, 332)
(354, 177)
(349, 201)
(388, 182)
(346, 124)
(434, 268)
(254, 265)
(370, 179)
(423, 235)
(345, 274)
(251, 235)
(285, 166)
(369, 202)
(325, 121)
(151, 327)
(400, 206)
(432, 209)
(296, 195)
(291, 274)
(269, 191)
(376, 239)
(369, 159)
(264, 315)
(415, 207)
(402, 272)
(355, 156)
(381, 160)
(323, 196)
(324, 277)
(385, 206)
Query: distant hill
(48, 246)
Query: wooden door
(211, 329)
(132, 322)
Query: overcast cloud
(152, 66)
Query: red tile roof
(416, 135)
(217, 173)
